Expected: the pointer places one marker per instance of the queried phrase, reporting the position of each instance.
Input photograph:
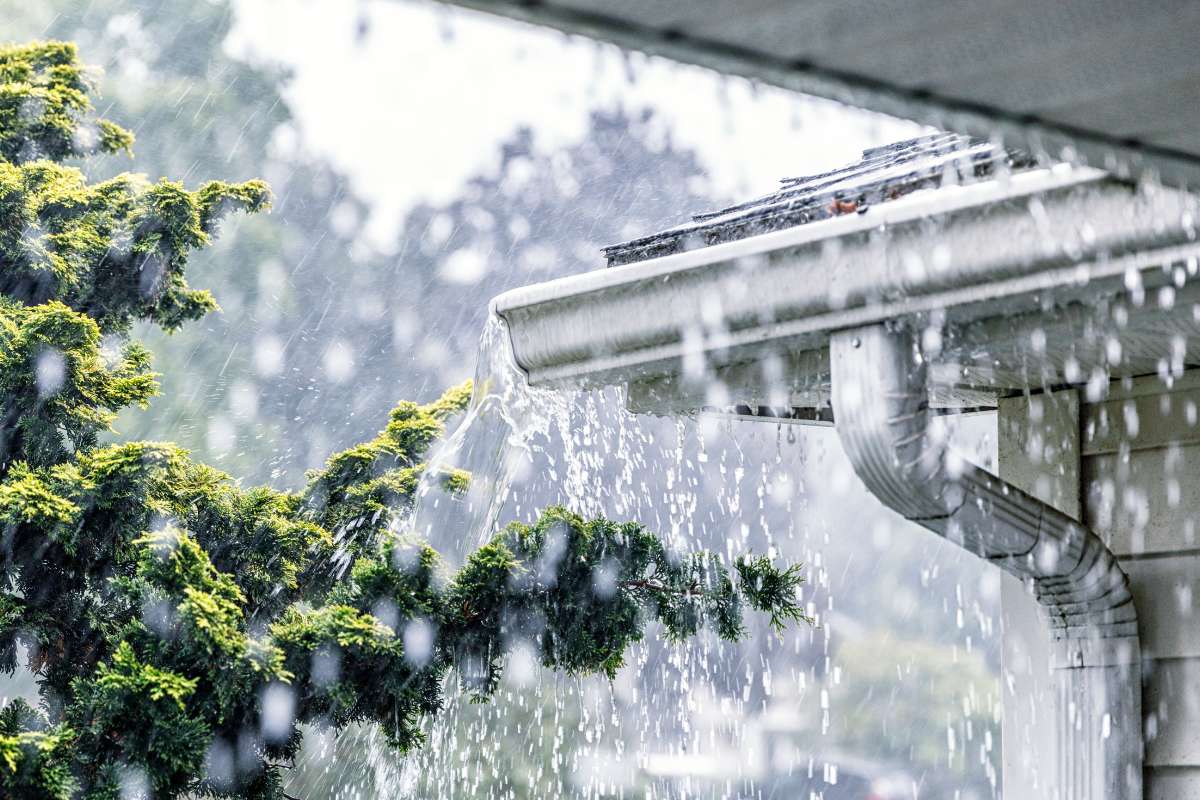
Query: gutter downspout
(880, 405)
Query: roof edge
(1118, 156)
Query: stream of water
(499, 441)
(702, 719)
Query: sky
(410, 98)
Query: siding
(1139, 468)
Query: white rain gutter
(880, 402)
(839, 298)
(962, 249)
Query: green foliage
(583, 591)
(183, 627)
(57, 390)
(369, 483)
(34, 759)
(114, 250)
(772, 590)
(44, 106)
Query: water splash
(497, 441)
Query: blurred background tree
(918, 707)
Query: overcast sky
(415, 100)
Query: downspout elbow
(880, 403)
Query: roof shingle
(884, 173)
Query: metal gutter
(1060, 234)
(880, 402)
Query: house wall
(1140, 472)
(1130, 466)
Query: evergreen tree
(183, 627)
